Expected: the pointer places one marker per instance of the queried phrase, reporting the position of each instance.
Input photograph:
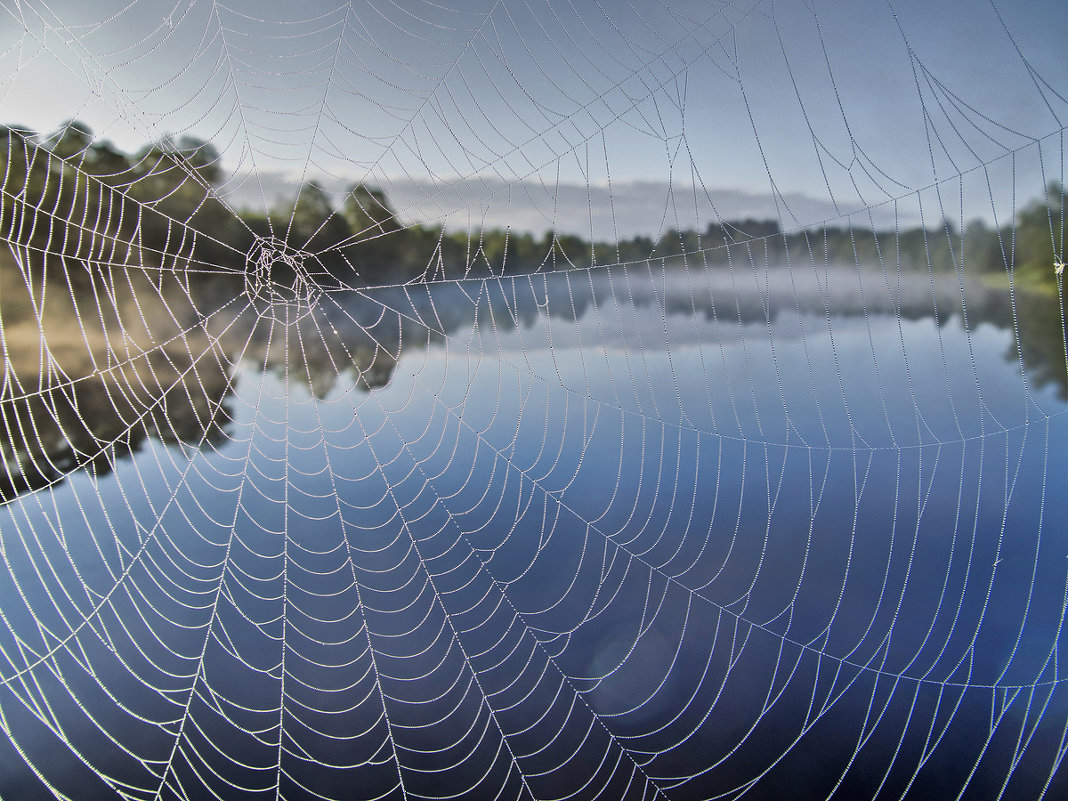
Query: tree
(1039, 238)
(201, 157)
(109, 164)
(982, 251)
(71, 140)
(383, 249)
(368, 213)
(312, 222)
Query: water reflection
(97, 366)
(1040, 331)
(722, 516)
(94, 367)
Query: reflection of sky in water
(761, 533)
(800, 378)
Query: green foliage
(375, 233)
(70, 193)
(310, 224)
(1038, 240)
(72, 140)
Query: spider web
(737, 516)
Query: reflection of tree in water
(1041, 338)
(1036, 321)
(364, 334)
(321, 354)
(1039, 332)
(354, 339)
(92, 375)
(93, 419)
(92, 372)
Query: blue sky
(855, 103)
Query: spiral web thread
(483, 534)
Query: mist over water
(827, 466)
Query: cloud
(625, 209)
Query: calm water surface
(775, 531)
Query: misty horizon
(623, 210)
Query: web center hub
(277, 279)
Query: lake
(618, 533)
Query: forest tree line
(69, 193)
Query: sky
(908, 110)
